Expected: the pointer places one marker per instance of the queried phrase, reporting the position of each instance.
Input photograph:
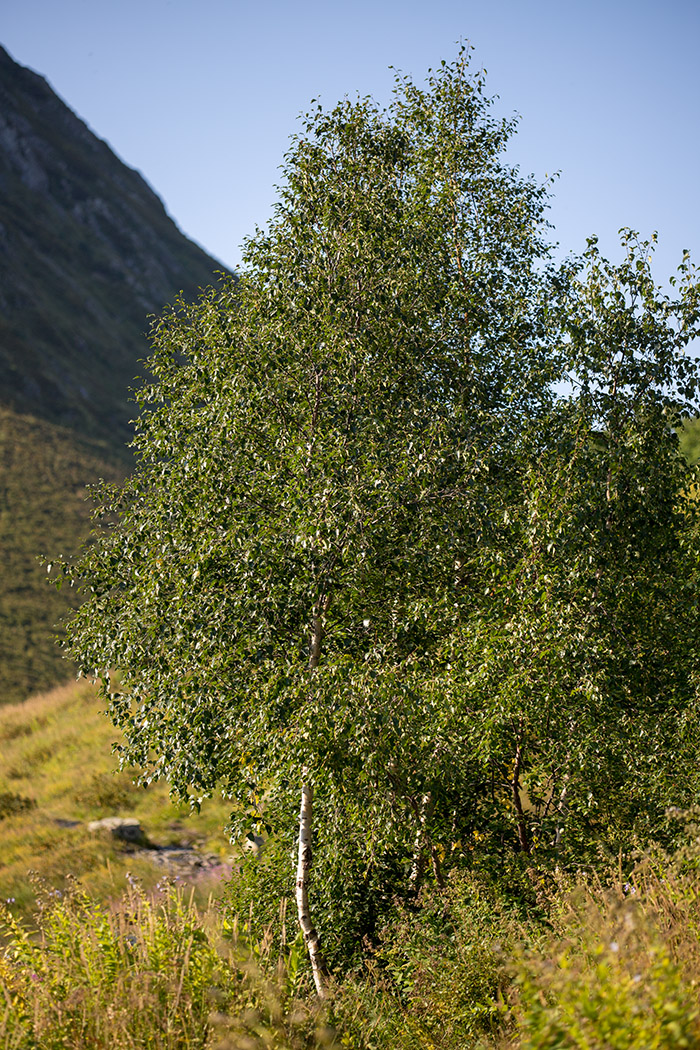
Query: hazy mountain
(87, 252)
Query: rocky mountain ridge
(87, 252)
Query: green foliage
(444, 961)
(351, 894)
(605, 1004)
(369, 546)
(324, 437)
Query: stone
(126, 829)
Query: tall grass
(611, 965)
(56, 763)
(149, 971)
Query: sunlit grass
(56, 750)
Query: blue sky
(202, 96)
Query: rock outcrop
(87, 252)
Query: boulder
(126, 829)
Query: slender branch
(517, 801)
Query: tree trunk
(311, 938)
(562, 810)
(423, 813)
(523, 839)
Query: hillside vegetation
(689, 436)
(57, 773)
(595, 965)
(44, 472)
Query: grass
(612, 966)
(149, 971)
(95, 958)
(44, 473)
(56, 763)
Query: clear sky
(202, 95)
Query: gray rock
(126, 829)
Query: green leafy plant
(11, 803)
(144, 971)
(621, 969)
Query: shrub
(11, 804)
(622, 972)
(106, 791)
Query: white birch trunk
(311, 938)
(420, 844)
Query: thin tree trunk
(437, 867)
(517, 802)
(562, 811)
(311, 938)
(419, 845)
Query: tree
(339, 459)
(579, 688)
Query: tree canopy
(409, 524)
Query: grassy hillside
(690, 440)
(57, 772)
(44, 470)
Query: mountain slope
(44, 471)
(87, 252)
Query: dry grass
(56, 750)
(622, 970)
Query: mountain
(87, 253)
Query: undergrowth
(607, 965)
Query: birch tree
(335, 457)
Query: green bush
(107, 791)
(352, 893)
(618, 976)
(11, 803)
